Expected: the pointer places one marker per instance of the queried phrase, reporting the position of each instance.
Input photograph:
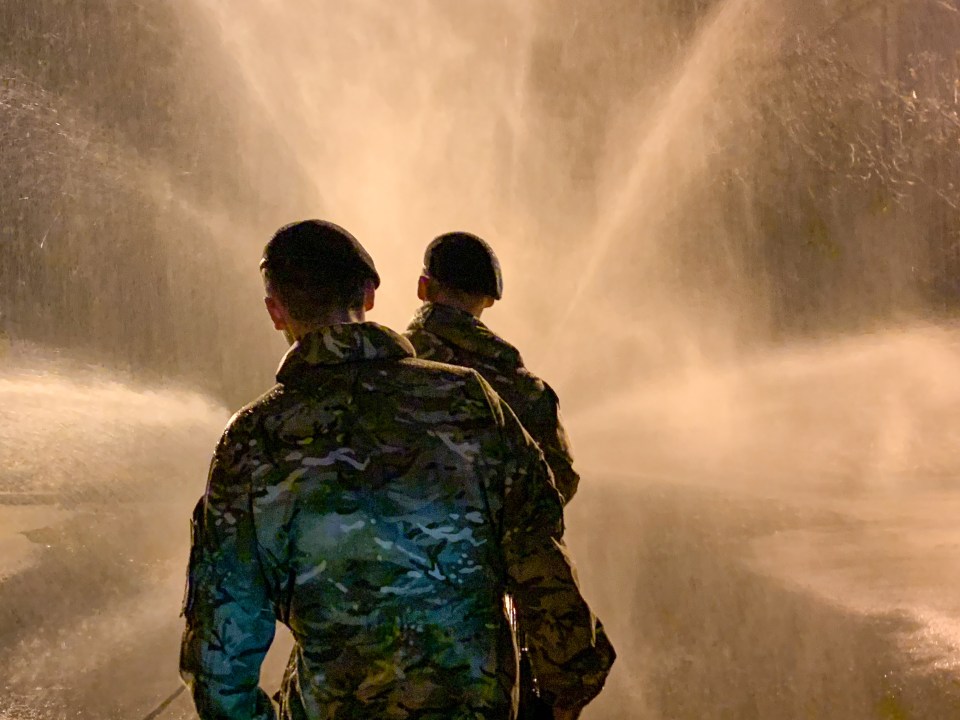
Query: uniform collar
(339, 344)
(460, 328)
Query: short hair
(314, 267)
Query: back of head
(464, 262)
(315, 266)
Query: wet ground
(733, 587)
(722, 607)
(98, 474)
(725, 607)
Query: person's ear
(369, 296)
(488, 301)
(277, 312)
(422, 285)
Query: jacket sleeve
(555, 443)
(230, 622)
(569, 649)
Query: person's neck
(475, 308)
(337, 317)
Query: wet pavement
(792, 554)
(98, 475)
(722, 606)
(714, 620)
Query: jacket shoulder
(245, 422)
(453, 380)
(268, 402)
(431, 372)
(428, 345)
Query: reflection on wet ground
(881, 556)
(730, 593)
(97, 477)
(712, 624)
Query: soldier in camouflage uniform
(461, 278)
(381, 507)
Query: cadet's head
(460, 269)
(316, 274)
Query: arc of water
(395, 164)
(733, 28)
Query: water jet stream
(675, 147)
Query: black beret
(321, 249)
(465, 262)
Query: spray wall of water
(660, 162)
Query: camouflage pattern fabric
(450, 335)
(381, 507)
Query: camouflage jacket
(381, 506)
(449, 335)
